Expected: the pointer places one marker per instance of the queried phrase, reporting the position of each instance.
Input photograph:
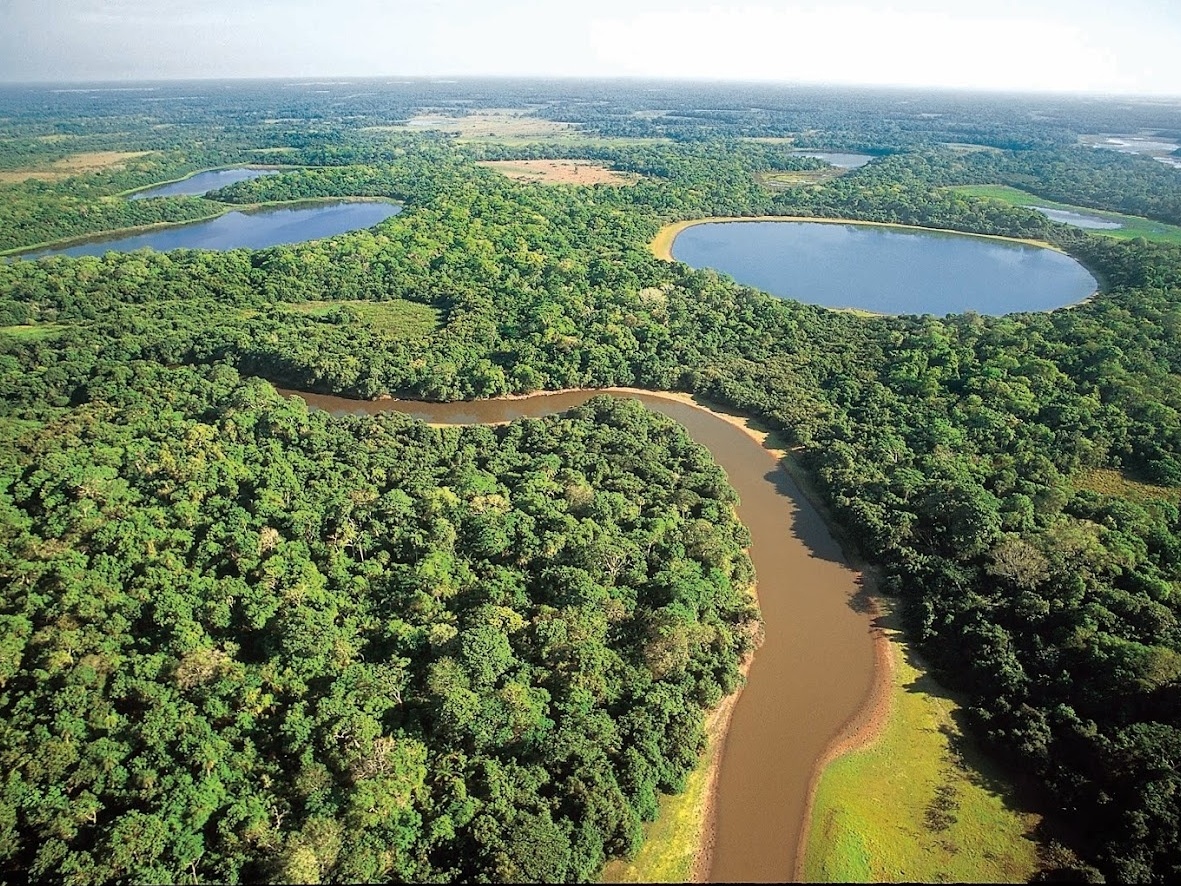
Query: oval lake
(202, 182)
(887, 270)
(244, 230)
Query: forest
(243, 641)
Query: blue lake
(244, 230)
(886, 270)
(202, 182)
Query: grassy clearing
(33, 331)
(76, 164)
(918, 804)
(396, 319)
(560, 172)
(795, 178)
(670, 844)
(1106, 481)
(1133, 226)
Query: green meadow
(1133, 226)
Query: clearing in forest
(398, 318)
(76, 164)
(560, 172)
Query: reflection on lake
(202, 182)
(886, 270)
(245, 230)
(837, 158)
(1078, 219)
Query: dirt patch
(77, 164)
(560, 172)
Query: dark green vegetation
(239, 641)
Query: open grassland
(560, 172)
(76, 164)
(396, 319)
(1133, 226)
(33, 331)
(508, 126)
(795, 178)
(1106, 481)
(919, 803)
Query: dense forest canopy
(240, 641)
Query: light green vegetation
(1110, 482)
(1133, 226)
(918, 804)
(794, 178)
(33, 331)
(397, 319)
(670, 842)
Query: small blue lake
(887, 270)
(244, 230)
(202, 182)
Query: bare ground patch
(560, 172)
(76, 164)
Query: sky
(1028, 45)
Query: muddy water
(811, 675)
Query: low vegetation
(919, 803)
(1131, 226)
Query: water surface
(814, 670)
(888, 270)
(838, 158)
(202, 182)
(244, 230)
(1078, 219)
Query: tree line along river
(815, 670)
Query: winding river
(815, 670)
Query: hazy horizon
(1035, 46)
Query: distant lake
(837, 158)
(1078, 219)
(886, 270)
(202, 182)
(244, 230)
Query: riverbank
(681, 844)
(916, 801)
(662, 244)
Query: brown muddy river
(812, 673)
